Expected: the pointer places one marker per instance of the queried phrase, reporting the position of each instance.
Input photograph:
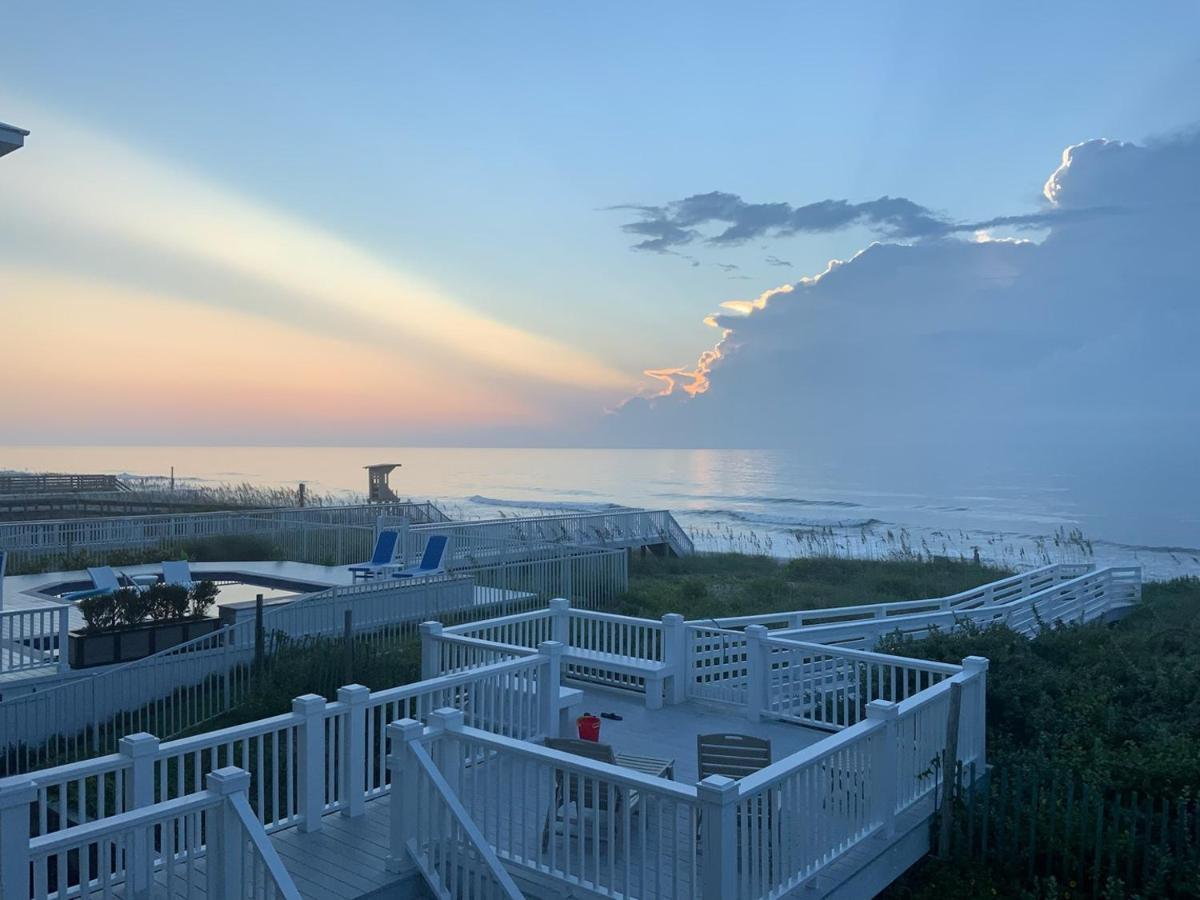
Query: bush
(168, 601)
(204, 595)
(98, 612)
(132, 606)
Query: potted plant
(131, 623)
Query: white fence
(33, 638)
(479, 542)
(191, 683)
(327, 535)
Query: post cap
(560, 603)
(975, 663)
(446, 719)
(718, 787)
(227, 780)
(404, 730)
(550, 648)
(308, 704)
(430, 628)
(354, 694)
(18, 791)
(672, 619)
(756, 631)
(882, 709)
(138, 745)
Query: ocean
(768, 501)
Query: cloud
(81, 189)
(970, 349)
(728, 267)
(776, 261)
(680, 222)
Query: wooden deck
(347, 858)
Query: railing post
(757, 675)
(560, 621)
(444, 725)
(430, 649)
(883, 764)
(310, 762)
(675, 657)
(354, 749)
(717, 799)
(64, 637)
(142, 751)
(15, 800)
(977, 666)
(548, 687)
(226, 843)
(402, 813)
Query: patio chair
(383, 557)
(736, 756)
(732, 755)
(104, 582)
(433, 560)
(177, 572)
(582, 791)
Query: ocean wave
(573, 506)
(788, 522)
(790, 501)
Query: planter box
(121, 645)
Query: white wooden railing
(329, 535)
(190, 683)
(1080, 598)
(485, 540)
(437, 831)
(207, 842)
(643, 655)
(993, 593)
(34, 638)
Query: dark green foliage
(1111, 710)
(1116, 705)
(730, 584)
(222, 548)
(132, 606)
(203, 596)
(98, 612)
(168, 601)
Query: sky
(410, 223)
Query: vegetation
(1111, 709)
(730, 584)
(157, 604)
(220, 548)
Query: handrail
(465, 822)
(864, 655)
(265, 849)
(875, 608)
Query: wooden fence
(1091, 840)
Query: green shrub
(98, 612)
(168, 601)
(132, 606)
(203, 596)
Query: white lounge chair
(177, 572)
(433, 560)
(104, 581)
(383, 557)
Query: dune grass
(731, 584)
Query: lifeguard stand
(378, 489)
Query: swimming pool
(233, 587)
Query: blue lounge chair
(383, 557)
(177, 572)
(433, 560)
(104, 581)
